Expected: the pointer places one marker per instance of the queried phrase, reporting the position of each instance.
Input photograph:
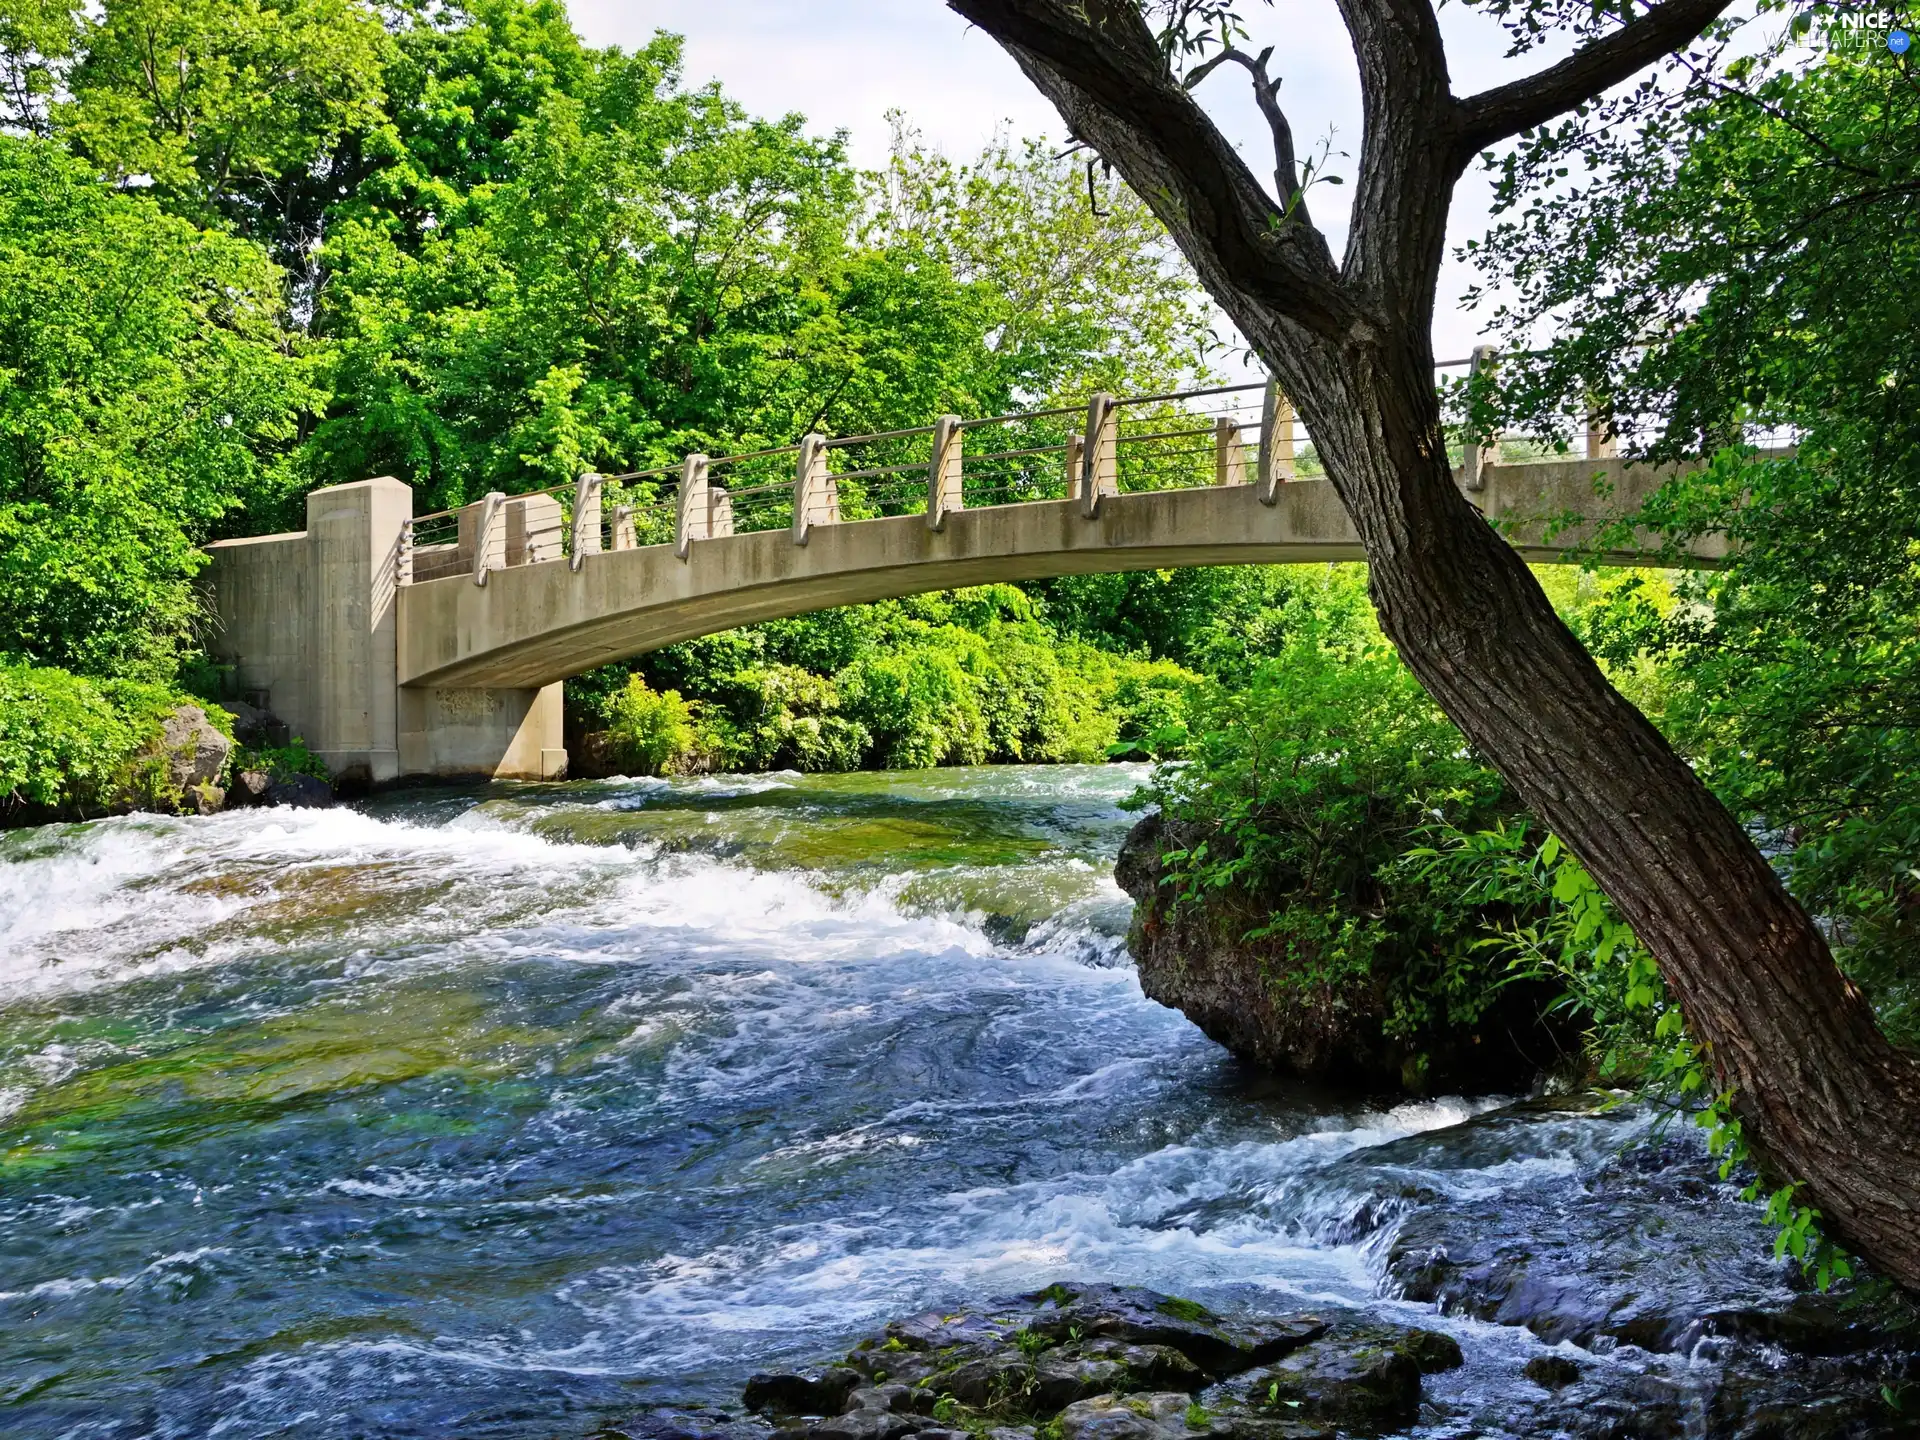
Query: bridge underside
(532, 625)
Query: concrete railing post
(1099, 454)
(944, 470)
(1479, 451)
(490, 538)
(1276, 444)
(1229, 455)
(625, 536)
(586, 519)
(816, 496)
(1076, 449)
(535, 527)
(691, 520)
(719, 512)
(1602, 444)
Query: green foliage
(567, 259)
(958, 677)
(148, 391)
(1572, 935)
(1303, 790)
(72, 746)
(1755, 223)
(282, 762)
(1219, 620)
(779, 717)
(62, 740)
(215, 101)
(651, 733)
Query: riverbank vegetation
(1726, 277)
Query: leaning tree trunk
(1821, 1092)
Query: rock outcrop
(1252, 997)
(1105, 1362)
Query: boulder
(1127, 1417)
(247, 788)
(993, 1382)
(1214, 1344)
(194, 752)
(1551, 1372)
(1354, 1375)
(865, 1425)
(300, 792)
(789, 1394)
(1097, 1367)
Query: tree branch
(1102, 68)
(1266, 94)
(1504, 111)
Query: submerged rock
(300, 792)
(1255, 998)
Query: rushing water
(518, 1112)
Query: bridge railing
(1243, 434)
(1222, 435)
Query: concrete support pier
(311, 621)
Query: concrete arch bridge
(403, 645)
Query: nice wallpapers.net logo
(1864, 34)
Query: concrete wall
(311, 618)
(259, 592)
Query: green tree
(1077, 285)
(215, 103)
(149, 390)
(1349, 339)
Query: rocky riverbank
(1645, 1292)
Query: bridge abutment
(310, 620)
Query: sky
(845, 63)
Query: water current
(519, 1112)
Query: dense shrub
(779, 717)
(650, 733)
(73, 746)
(1300, 795)
(61, 739)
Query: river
(517, 1112)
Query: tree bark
(1823, 1096)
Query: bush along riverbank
(74, 748)
(961, 677)
(1332, 885)
(1269, 904)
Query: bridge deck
(534, 623)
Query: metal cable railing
(1222, 435)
